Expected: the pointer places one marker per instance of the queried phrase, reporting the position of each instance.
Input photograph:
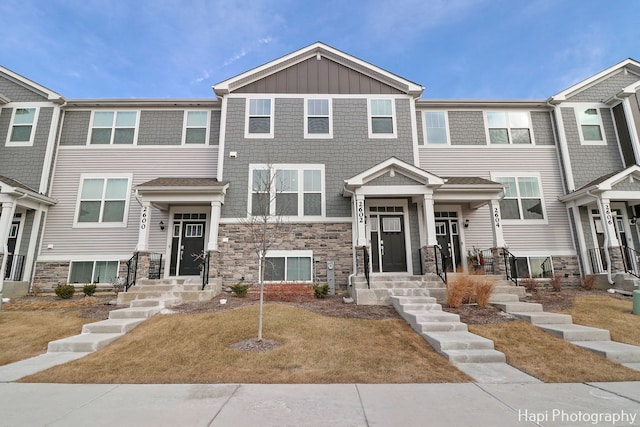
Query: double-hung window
(22, 127)
(259, 118)
(288, 266)
(113, 127)
(318, 118)
(287, 190)
(509, 127)
(93, 271)
(103, 201)
(382, 118)
(522, 197)
(590, 122)
(196, 127)
(435, 125)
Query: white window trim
(424, 127)
(300, 168)
(93, 269)
(510, 143)
(308, 135)
(15, 107)
(576, 111)
(545, 219)
(291, 254)
(111, 144)
(271, 119)
(185, 127)
(392, 135)
(122, 224)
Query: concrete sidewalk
(335, 405)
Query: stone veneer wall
(569, 268)
(328, 241)
(48, 275)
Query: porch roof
(14, 190)
(164, 191)
(604, 187)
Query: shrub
(239, 289)
(320, 291)
(529, 284)
(556, 282)
(65, 291)
(483, 287)
(459, 290)
(588, 282)
(89, 290)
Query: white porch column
(429, 219)
(143, 229)
(33, 243)
(496, 219)
(608, 223)
(214, 226)
(360, 220)
(6, 217)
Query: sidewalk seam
(224, 404)
(502, 402)
(364, 412)
(115, 386)
(612, 392)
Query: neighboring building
(29, 118)
(368, 176)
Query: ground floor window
(93, 271)
(535, 267)
(288, 266)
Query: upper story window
(382, 118)
(318, 123)
(287, 190)
(113, 127)
(522, 197)
(259, 118)
(436, 128)
(590, 122)
(22, 127)
(196, 127)
(103, 200)
(512, 127)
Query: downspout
(606, 237)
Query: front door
(187, 246)
(388, 247)
(448, 236)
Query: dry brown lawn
(548, 358)
(608, 313)
(194, 348)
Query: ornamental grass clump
(483, 288)
(459, 290)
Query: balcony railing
(15, 268)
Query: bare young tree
(265, 220)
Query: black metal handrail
(365, 255)
(155, 265)
(132, 270)
(595, 260)
(205, 270)
(631, 261)
(441, 263)
(482, 261)
(547, 268)
(510, 266)
(421, 255)
(15, 268)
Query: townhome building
(29, 118)
(371, 179)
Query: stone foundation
(328, 241)
(569, 268)
(48, 275)
(429, 260)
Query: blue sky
(178, 49)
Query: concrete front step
(430, 316)
(612, 350)
(82, 343)
(495, 298)
(544, 318)
(184, 296)
(403, 299)
(518, 307)
(134, 313)
(151, 302)
(163, 288)
(111, 326)
(571, 332)
(429, 327)
(475, 356)
(510, 289)
(445, 341)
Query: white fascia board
(51, 95)
(398, 166)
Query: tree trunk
(261, 280)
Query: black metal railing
(132, 270)
(482, 261)
(421, 255)
(631, 261)
(547, 268)
(510, 266)
(595, 260)
(15, 268)
(367, 267)
(205, 270)
(155, 265)
(441, 263)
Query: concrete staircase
(472, 353)
(562, 326)
(185, 290)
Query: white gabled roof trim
(51, 95)
(314, 50)
(398, 166)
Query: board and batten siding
(144, 164)
(554, 236)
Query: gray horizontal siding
(477, 161)
(144, 164)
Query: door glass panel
(193, 230)
(441, 228)
(391, 225)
